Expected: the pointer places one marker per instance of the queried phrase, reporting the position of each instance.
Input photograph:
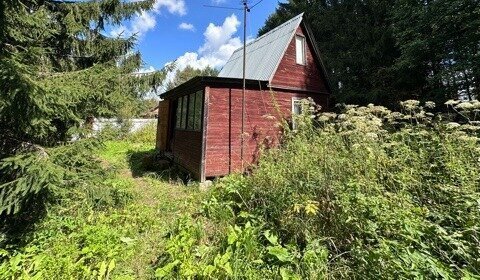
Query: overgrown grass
(100, 222)
(365, 194)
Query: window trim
(299, 101)
(188, 101)
(184, 119)
(296, 99)
(304, 51)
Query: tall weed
(366, 193)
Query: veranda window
(189, 112)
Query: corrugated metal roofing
(263, 54)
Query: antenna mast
(245, 10)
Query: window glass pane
(178, 113)
(191, 110)
(184, 112)
(296, 110)
(297, 107)
(198, 110)
(300, 49)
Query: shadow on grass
(148, 163)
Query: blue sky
(186, 31)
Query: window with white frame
(296, 110)
(300, 49)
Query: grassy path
(157, 201)
(108, 224)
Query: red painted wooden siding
(292, 75)
(264, 110)
(187, 150)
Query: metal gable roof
(263, 54)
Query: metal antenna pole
(245, 10)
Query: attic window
(300, 49)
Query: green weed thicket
(76, 216)
(364, 194)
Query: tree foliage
(58, 67)
(189, 73)
(383, 51)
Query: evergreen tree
(383, 51)
(440, 47)
(58, 67)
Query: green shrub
(33, 176)
(378, 194)
(115, 132)
(146, 134)
(55, 225)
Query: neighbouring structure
(200, 121)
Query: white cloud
(149, 69)
(142, 22)
(173, 6)
(220, 42)
(186, 26)
(152, 94)
(216, 2)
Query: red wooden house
(200, 121)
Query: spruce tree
(59, 67)
(384, 51)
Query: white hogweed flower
(430, 104)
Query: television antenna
(246, 9)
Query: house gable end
(308, 77)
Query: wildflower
(464, 106)
(297, 207)
(396, 115)
(452, 125)
(311, 207)
(372, 135)
(420, 115)
(430, 104)
(452, 102)
(475, 104)
(468, 138)
(410, 104)
(350, 107)
(325, 117)
(342, 117)
(330, 115)
(470, 127)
